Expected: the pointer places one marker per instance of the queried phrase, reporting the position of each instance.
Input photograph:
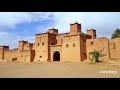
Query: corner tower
(21, 45)
(53, 31)
(2, 49)
(92, 33)
(75, 28)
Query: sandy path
(58, 70)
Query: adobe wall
(114, 46)
(60, 38)
(10, 55)
(2, 49)
(1, 53)
(83, 51)
(28, 46)
(110, 47)
(41, 48)
(26, 56)
(33, 46)
(71, 53)
(100, 44)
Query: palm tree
(116, 34)
(95, 56)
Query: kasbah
(51, 46)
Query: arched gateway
(56, 56)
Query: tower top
(75, 23)
(91, 29)
(53, 29)
(75, 28)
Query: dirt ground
(105, 69)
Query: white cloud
(11, 19)
(11, 39)
(42, 29)
(30, 39)
(104, 22)
(98, 20)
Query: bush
(95, 56)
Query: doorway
(56, 56)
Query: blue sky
(15, 26)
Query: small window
(91, 43)
(43, 43)
(73, 44)
(40, 56)
(51, 43)
(69, 39)
(83, 45)
(61, 41)
(21, 55)
(66, 45)
(38, 44)
(84, 54)
(113, 45)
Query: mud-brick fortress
(52, 46)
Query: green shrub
(95, 56)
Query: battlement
(11, 50)
(4, 46)
(23, 41)
(53, 31)
(102, 38)
(75, 23)
(91, 29)
(85, 35)
(40, 34)
(25, 45)
(26, 51)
